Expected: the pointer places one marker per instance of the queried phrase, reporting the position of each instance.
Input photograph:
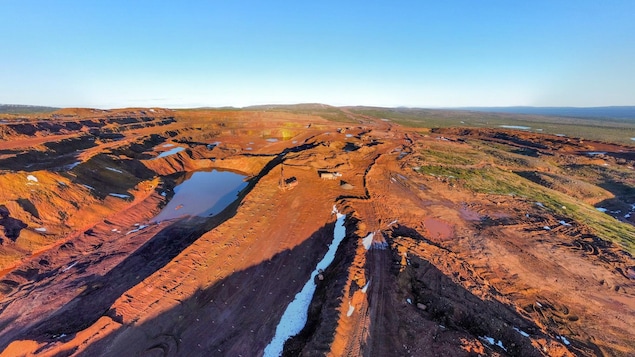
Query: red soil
(448, 266)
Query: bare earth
(485, 241)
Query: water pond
(203, 193)
(519, 127)
(170, 152)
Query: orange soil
(447, 267)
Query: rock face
(445, 250)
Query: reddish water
(438, 229)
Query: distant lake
(519, 127)
(621, 112)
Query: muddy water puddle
(469, 215)
(438, 228)
(203, 193)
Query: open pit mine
(154, 232)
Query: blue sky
(387, 53)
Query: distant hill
(24, 109)
(617, 112)
(324, 110)
(291, 107)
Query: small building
(291, 182)
(329, 175)
(286, 183)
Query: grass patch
(491, 180)
(325, 111)
(456, 156)
(513, 160)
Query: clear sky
(387, 53)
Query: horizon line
(463, 107)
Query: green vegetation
(416, 118)
(513, 160)
(442, 156)
(491, 180)
(325, 111)
(601, 174)
(610, 130)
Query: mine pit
(202, 193)
(143, 247)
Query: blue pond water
(203, 193)
(170, 152)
